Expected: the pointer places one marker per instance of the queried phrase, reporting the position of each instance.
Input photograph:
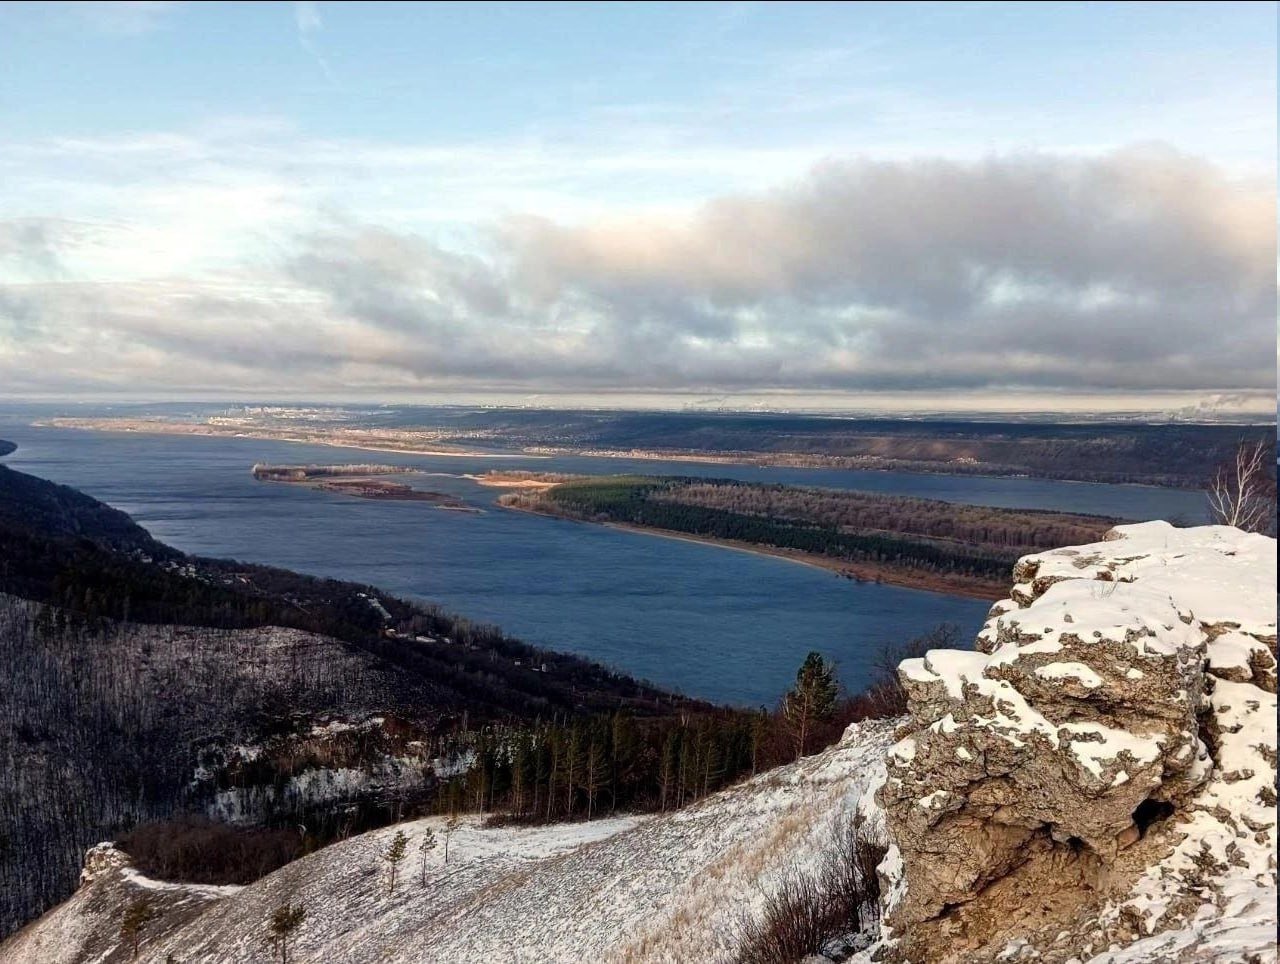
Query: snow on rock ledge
(1119, 704)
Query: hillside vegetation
(1094, 783)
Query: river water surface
(711, 622)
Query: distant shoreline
(966, 587)
(834, 463)
(389, 440)
(201, 430)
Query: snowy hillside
(666, 888)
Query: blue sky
(192, 158)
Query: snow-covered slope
(665, 888)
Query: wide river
(711, 622)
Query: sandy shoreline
(489, 483)
(858, 572)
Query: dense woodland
(105, 724)
(858, 527)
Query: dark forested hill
(63, 547)
(36, 505)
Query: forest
(892, 535)
(146, 734)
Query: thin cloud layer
(1138, 270)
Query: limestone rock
(1079, 722)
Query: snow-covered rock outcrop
(1103, 766)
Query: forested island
(358, 480)
(921, 543)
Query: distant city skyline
(928, 207)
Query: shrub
(198, 850)
(806, 911)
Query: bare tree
(1242, 492)
(450, 826)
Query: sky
(900, 206)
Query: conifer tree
(285, 919)
(393, 856)
(137, 915)
(811, 701)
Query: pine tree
(395, 854)
(285, 919)
(449, 827)
(137, 915)
(811, 700)
(425, 846)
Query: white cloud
(1139, 270)
(306, 15)
(125, 17)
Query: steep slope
(667, 888)
(102, 728)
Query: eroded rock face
(1032, 765)
(101, 860)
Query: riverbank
(365, 440)
(961, 466)
(964, 586)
